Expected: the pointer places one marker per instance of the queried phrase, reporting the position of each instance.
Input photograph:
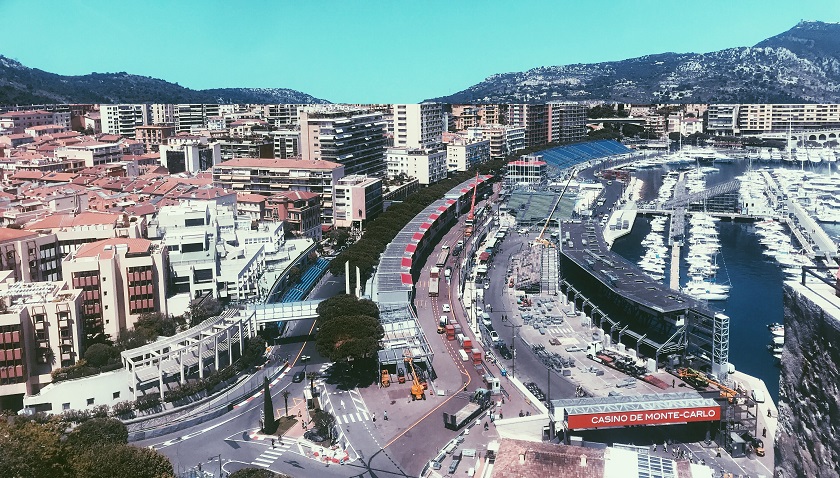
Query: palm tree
(311, 376)
(286, 394)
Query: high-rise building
(269, 176)
(418, 125)
(123, 119)
(352, 137)
(535, 120)
(281, 116)
(567, 122)
(152, 136)
(462, 155)
(754, 119)
(357, 199)
(286, 143)
(163, 113)
(428, 166)
(193, 116)
(121, 279)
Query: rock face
(808, 437)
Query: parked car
(298, 377)
(504, 351)
(446, 308)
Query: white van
(758, 396)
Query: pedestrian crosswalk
(268, 457)
(352, 418)
(560, 330)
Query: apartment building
(40, 331)
(18, 121)
(29, 255)
(121, 279)
(246, 148)
(91, 153)
(352, 137)
(163, 113)
(677, 123)
(270, 176)
(357, 199)
(281, 116)
(462, 155)
(123, 119)
(45, 129)
(535, 120)
(300, 212)
(418, 125)
(189, 117)
(286, 143)
(75, 230)
(567, 122)
(153, 136)
(428, 166)
(755, 119)
(504, 140)
(463, 117)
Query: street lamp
(512, 343)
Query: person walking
(764, 432)
(374, 416)
(385, 415)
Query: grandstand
(564, 157)
(307, 281)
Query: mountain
(23, 85)
(801, 65)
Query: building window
(90, 401)
(116, 395)
(65, 406)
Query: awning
(406, 279)
(484, 256)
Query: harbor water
(755, 297)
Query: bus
(442, 258)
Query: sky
(373, 51)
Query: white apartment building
(755, 119)
(40, 331)
(163, 113)
(92, 153)
(286, 143)
(193, 116)
(528, 171)
(461, 156)
(683, 125)
(428, 166)
(122, 119)
(352, 137)
(357, 199)
(418, 125)
(567, 122)
(504, 140)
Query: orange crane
(695, 377)
(417, 390)
(468, 229)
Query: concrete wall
(76, 393)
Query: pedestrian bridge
(284, 311)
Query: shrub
(122, 408)
(147, 402)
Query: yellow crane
(695, 377)
(417, 390)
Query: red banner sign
(644, 417)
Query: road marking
(264, 465)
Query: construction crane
(417, 390)
(468, 229)
(540, 239)
(699, 380)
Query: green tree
(158, 323)
(31, 450)
(99, 355)
(256, 473)
(344, 304)
(98, 431)
(108, 461)
(294, 275)
(269, 423)
(349, 337)
(203, 308)
(323, 422)
(286, 394)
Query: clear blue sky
(373, 51)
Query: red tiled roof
(7, 234)
(250, 198)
